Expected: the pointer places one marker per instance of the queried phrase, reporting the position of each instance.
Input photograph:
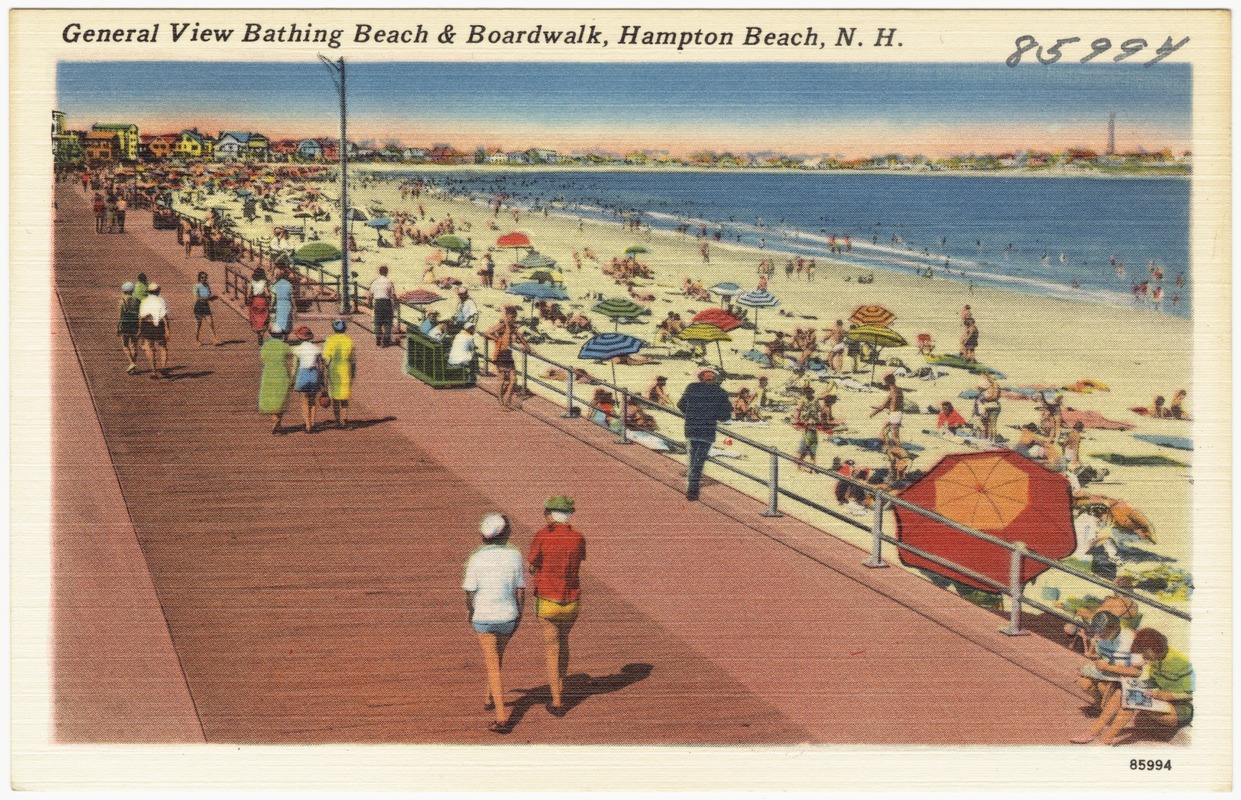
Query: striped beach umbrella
(610, 346)
(756, 299)
(872, 315)
(704, 332)
(619, 308)
(536, 260)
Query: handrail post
(570, 411)
(486, 370)
(525, 369)
(1015, 592)
(876, 532)
(773, 488)
(624, 415)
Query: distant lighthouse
(1111, 134)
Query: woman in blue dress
(283, 295)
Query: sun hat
(338, 325)
(707, 371)
(127, 287)
(463, 289)
(153, 288)
(560, 503)
(303, 333)
(493, 526)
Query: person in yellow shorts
(555, 558)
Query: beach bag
(324, 400)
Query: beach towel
(1138, 461)
(1086, 386)
(874, 444)
(858, 386)
(976, 442)
(652, 442)
(756, 357)
(1093, 419)
(1175, 442)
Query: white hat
(493, 526)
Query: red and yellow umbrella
(872, 315)
(999, 493)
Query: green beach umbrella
(619, 308)
(451, 241)
(878, 337)
(634, 249)
(536, 260)
(318, 252)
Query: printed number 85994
(1128, 49)
(1149, 764)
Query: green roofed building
(127, 137)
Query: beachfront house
(258, 147)
(103, 147)
(157, 146)
(241, 146)
(310, 149)
(416, 154)
(126, 137)
(540, 155)
(447, 154)
(285, 150)
(192, 144)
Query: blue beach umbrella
(609, 346)
(533, 290)
(756, 299)
(379, 222)
(726, 289)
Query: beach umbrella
(999, 493)
(317, 252)
(704, 332)
(536, 260)
(379, 222)
(244, 192)
(420, 297)
(878, 337)
(514, 239)
(357, 215)
(548, 276)
(609, 347)
(726, 289)
(634, 249)
(719, 318)
(532, 291)
(756, 299)
(872, 315)
(451, 241)
(619, 308)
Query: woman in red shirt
(556, 555)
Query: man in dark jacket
(704, 404)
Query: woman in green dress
(341, 368)
(277, 359)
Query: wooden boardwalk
(304, 588)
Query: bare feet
(1085, 738)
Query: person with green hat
(555, 559)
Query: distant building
(192, 144)
(68, 147)
(157, 146)
(103, 147)
(127, 137)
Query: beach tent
(999, 493)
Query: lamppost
(336, 69)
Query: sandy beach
(1035, 341)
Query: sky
(850, 110)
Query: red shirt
(952, 419)
(556, 554)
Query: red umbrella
(420, 297)
(717, 317)
(999, 493)
(514, 239)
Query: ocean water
(1090, 239)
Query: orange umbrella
(872, 315)
(999, 493)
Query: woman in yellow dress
(341, 368)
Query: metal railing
(882, 500)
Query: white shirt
(494, 573)
(462, 349)
(382, 288)
(307, 355)
(153, 306)
(467, 312)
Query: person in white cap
(467, 309)
(154, 329)
(704, 404)
(495, 593)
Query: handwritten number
(1054, 50)
(1130, 47)
(1024, 44)
(1166, 49)
(1098, 47)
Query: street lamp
(336, 69)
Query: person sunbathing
(1176, 409)
(638, 419)
(774, 350)
(578, 323)
(743, 407)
